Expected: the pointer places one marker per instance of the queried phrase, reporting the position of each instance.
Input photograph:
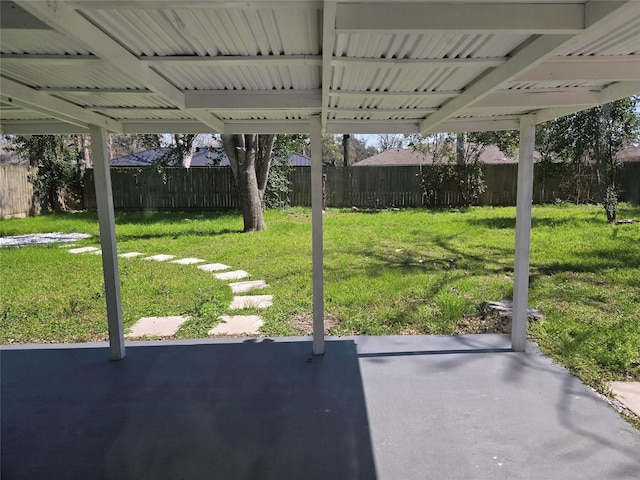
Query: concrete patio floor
(392, 408)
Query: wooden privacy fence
(16, 192)
(212, 188)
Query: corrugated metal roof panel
(94, 75)
(133, 114)
(426, 45)
(393, 79)
(39, 42)
(550, 85)
(212, 31)
(263, 115)
(619, 41)
(111, 99)
(259, 77)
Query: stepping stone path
(188, 261)
(160, 258)
(229, 325)
(83, 250)
(251, 301)
(238, 324)
(130, 254)
(213, 267)
(242, 287)
(235, 275)
(157, 326)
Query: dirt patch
(302, 324)
(493, 323)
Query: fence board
(16, 192)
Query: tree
(595, 137)
(331, 151)
(250, 157)
(276, 194)
(358, 149)
(457, 161)
(124, 144)
(390, 142)
(58, 166)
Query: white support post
(316, 236)
(523, 233)
(106, 221)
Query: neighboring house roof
(7, 157)
(405, 157)
(630, 154)
(203, 157)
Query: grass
(390, 272)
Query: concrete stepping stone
(628, 393)
(234, 275)
(130, 254)
(251, 301)
(242, 287)
(213, 267)
(157, 326)
(237, 324)
(188, 261)
(83, 250)
(160, 258)
(96, 252)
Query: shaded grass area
(392, 272)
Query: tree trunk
(242, 151)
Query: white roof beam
(235, 61)
(84, 90)
(328, 41)
(603, 68)
(47, 59)
(14, 93)
(372, 127)
(65, 19)
(267, 126)
(40, 127)
(488, 124)
(418, 62)
(202, 4)
(530, 18)
(524, 99)
(394, 95)
(259, 100)
(389, 111)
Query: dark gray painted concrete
(392, 408)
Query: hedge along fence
(213, 188)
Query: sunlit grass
(387, 272)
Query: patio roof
(277, 66)
(269, 66)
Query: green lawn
(388, 272)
